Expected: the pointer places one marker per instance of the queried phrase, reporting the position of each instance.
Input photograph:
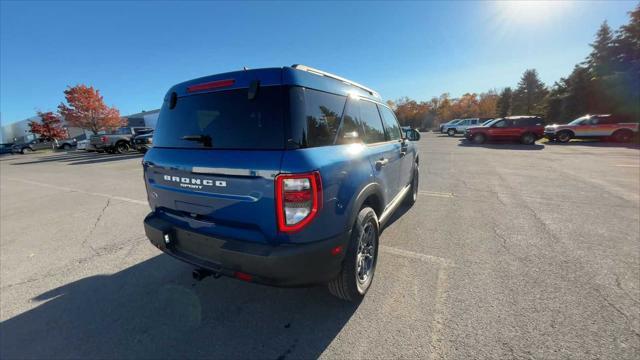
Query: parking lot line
(418, 256)
(436, 193)
(133, 201)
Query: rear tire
(122, 147)
(622, 136)
(528, 139)
(359, 265)
(564, 136)
(26, 150)
(451, 132)
(66, 147)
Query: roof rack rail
(333, 76)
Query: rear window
(224, 120)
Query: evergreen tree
(529, 95)
(601, 60)
(504, 102)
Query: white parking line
(418, 256)
(133, 201)
(625, 165)
(436, 193)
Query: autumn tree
(529, 95)
(86, 109)
(488, 103)
(49, 128)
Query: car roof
(296, 75)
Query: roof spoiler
(333, 76)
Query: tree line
(607, 81)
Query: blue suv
(280, 176)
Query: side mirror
(413, 135)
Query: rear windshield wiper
(204, 139)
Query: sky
(134, 51)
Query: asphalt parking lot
(510, 252)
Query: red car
(526, 129)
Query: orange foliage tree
(49, 128)
(86, 109)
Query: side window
(474, 122)
(350, 129)
(501, 124)
(390, 123)
(594, 121)
(371, 123)
(323, 112)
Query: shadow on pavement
(596, 143)
(155, 310)
(76, 158)
(503, 145)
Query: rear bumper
(283, 265)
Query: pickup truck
(118, 141)
(593, 126)
(37, 144)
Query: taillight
(298, 200)
(211, 85)
(103, 139)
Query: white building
(19, 131)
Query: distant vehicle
(82, 144)
(445, 126)
(462, 125)
(6, 148)
(526, 129)
(143, 142)
(118, 141)
(593, 127)
(409, 133)
(37, 144)
(280, 176)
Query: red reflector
(243, 276)
(297, 196)
(211, 85)
(103, 139)
(336, 250)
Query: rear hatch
(214, 159)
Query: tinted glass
(390, 123)
(227, 118)
(371, 122)
(501, 124)
(316, 115)
(350, 130)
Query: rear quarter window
(315, 116)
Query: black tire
(528, 139)
(66, 147)
(412, 196)
(349, 284)
(479, 138)
(564, 136)
(622, 136)
(451, 132)
(122, 147)
(26, 150)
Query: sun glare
(530, 10)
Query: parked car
(37, 144)
(462, 125)
(281, 176)
(143, 142)
(82, 144)
(526, 129)
(593, 127)
(445, 126)
(6, 148)
(118, 141)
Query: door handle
(381, 163)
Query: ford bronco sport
(280, 176)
